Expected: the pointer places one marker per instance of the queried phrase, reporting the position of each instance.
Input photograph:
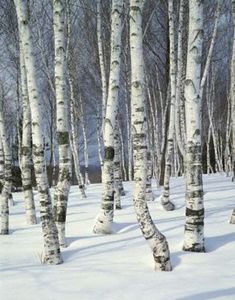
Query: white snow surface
(120, 266)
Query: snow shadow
(215, 242)
(210, 295)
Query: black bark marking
(109, 153)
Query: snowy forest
(117, 149)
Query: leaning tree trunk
(6, 190)
(165, 198)
(64, 180)
(156, 240)
(194, 226)
(50, 234)
(26, 149)
(104, 219)
(232, 220)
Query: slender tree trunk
(1, 165)
(101, 61)
(165, 199)
(156, 240)
(180, 137)
(64, 180)
(86, 154)
(194, 226)
(104, 219)
(232, 220)
(117, 168)
(6, 190)
(74, 141)
(50, 234)
(26, 150)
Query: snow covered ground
(120, 266)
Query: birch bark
(165, 199)
(103, 223)
(50, 234)
(1, 165)
(101, 61)
(194, 226)
(26, 150)
(156, 240)
(232, 219)
(64, 180)
(7, 185)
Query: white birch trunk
(165, 198)
(50, 234)
(212, 44)
(103, 223)
(180, 136)
(117, 168)
(194, 226)
(74, 141)
(232, 220)
(7, 185)
(64, 180)
(101, 61)
(1, 165)
(86, 155)
(26, 150)
(155, 239)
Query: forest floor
(120, 266)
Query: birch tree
(64, 180)
(156, 240)
(194, 225)
(50, 234)
(165, 199)
(26, 150)
(1, 165)
(7, 183)
(232, 219)
(103, 223)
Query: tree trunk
(64, 180)
(194, 226)
(156, 240)
(26, 150)
(1, 165)
(232, 220)
(7, 185)
(104, 219)
(165, 199)
(50, 234)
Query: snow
(120, 266)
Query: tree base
(52, 260)
(118, 206)
(163, 266)
(194, 248)
(122, 193)
(102, 225)
(168, 206)
(232, 220)
(4, 232)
